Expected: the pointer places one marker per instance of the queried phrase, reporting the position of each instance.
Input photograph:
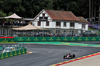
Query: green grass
(63, 43)
(94, 29)
(56, 43)
(90, 29)
(6, 42)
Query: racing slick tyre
(73, 55)
(64, 57)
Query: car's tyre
(73, 55)
(63, 57)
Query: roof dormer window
(43, 14)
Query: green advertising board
(34, 39)
(45, 39)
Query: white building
(63, 21)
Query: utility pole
(94, 11)
(99, 16)
(89, 10)
(67, 6)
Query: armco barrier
(13, 53)
(39, 39)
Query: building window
(72, 24)
(58, 23)
(43, 14)
(64, 24)
(47, 23)
(46, 18)
(43, 18)
(40, 18)
(39, 23)
(83, 26)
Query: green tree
(84, 8)
(72, 6)
(2, 14)
(30, 8)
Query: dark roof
(62, 15)
(82, 20)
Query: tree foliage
(30, 8)
(2, 14)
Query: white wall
(86, 27)
(67, 25)
(34, 23)
(51, 25)
(78, 25)
(62, 25)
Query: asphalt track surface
(46, 55)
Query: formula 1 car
(69, 56)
